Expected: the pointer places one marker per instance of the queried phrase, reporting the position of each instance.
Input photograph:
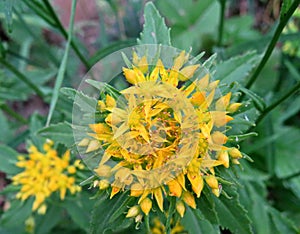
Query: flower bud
(224, 157)
(133, 212)
(146, 205)
(180, 208)
(233, 107)
(189, 199)
(103, 184)
(235, 153)
(212, 181)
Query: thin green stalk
(275, 104)
(23, 78)
(65, 34)
(221, 23)
(62, 68)
(13, 114)
(273, 42)
(147, 224)
(40, 11)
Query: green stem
(147, 223)
(14, 114)
(275, 104)
(273, 42)
(65, 34)
(221, 23)
(40, 11)
(22, 77)
(63, 65)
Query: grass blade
(62, 68)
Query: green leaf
(194, 224)
(236, 69)
(257, 100)
(6, 131)
(207, 206)
(194, 24)
(281, 224)
(108, 214)
(8, 159)
(59, 133)
(254, 198)
(19, 211)
(231, 213)
(46, 222)
(287, 158)
(155, 30)
(78, 211)
(83, 101)
(34, 126)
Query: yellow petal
(93, 145)
(219, 138)
(223, 157)
(213, 85)
(235, 153)
(110, 101)
(174, 188)
(212, 181)
(188, 72)
(84, 142)
(143, 64)
(154, 74)
(100, 128)
(198, 98)
(180, 207)
(220, 118)
(234, 107)
(146, 205)
(223, 102)
(179, 61)
(136, 190)
(197, 182)
(130, 76)
(159, 198)
(203, 82)
(103, 171)
(114, 191)
(189, 199)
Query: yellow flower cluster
(44, 174)
(168, 134)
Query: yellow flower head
(164, 134)
(45, 173)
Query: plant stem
(221, 23)
(19, 75)
(65, 34)
(275, 104)
(63, 65)
(147, 224)
(273, 42)
(12, 113)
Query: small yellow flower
(45, 173)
